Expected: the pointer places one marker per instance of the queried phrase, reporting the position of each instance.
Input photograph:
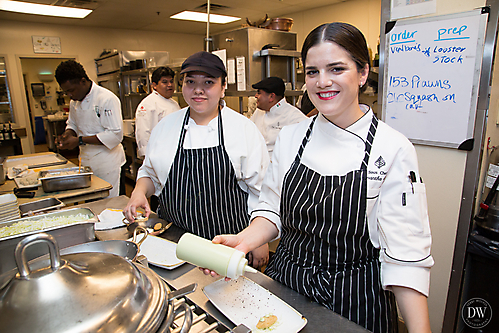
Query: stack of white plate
(9, 208)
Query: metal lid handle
(20, 252)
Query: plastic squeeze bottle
(224, 260)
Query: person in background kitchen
(273, 111)
(155, 106)
(94, 124)
(209, 182)
(344, 194)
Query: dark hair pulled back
(343, 34)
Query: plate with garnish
(243, 301)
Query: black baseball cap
(205, 62)
(270, 85)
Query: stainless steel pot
(122, 248)
(83, 292)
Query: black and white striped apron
(201, 194)
(325, 251)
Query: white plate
(9, 218)
(160, 252)
(9, 212)
(8, 199)
(9, 207)
(245, 302)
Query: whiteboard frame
(476, 77)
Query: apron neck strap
(305, 140)
(369, 142)
(185, 125)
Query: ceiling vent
(213, 7)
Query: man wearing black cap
(209, 180)
(273, 111)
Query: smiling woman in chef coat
(206, 162)
(343, 193)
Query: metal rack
(6, 114)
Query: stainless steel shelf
(140, 71)
(136, 95)
(279, 53)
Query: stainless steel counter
(320, 319)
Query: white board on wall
(432, 76)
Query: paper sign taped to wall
(241, 73)
(231, 71)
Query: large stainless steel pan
(65, 179)
(84, 292)
(122, 248)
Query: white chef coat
(402, 232)
(99, 113)
(149, 112)
(271, 122)
(243, 142)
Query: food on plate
(41, 224)
(266, 322)
(16, 170)
(157, 226)
(28, 181)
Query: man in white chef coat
(95, 123)
(273, 112)
(154, 107)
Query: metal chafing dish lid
(82, 292)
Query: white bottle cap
(235, 266)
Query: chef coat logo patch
(476, 313)
(380, 162)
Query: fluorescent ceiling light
(203, 17)
(39, 9)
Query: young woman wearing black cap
(345, 196)
(206, 162)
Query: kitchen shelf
(6, 110)
(136, 94)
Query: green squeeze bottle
(224, 260)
